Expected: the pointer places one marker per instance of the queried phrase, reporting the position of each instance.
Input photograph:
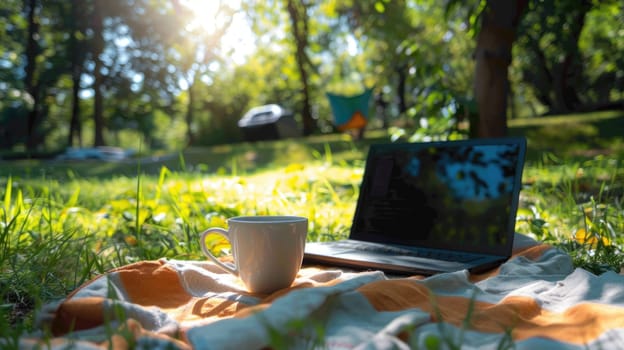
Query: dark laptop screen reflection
(454, 194)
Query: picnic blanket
(535, 300)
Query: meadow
(64, 222)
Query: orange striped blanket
(536, 300)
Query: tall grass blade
(73, 199)
(182, 161)
(161, 182)
(328, 154)
(137, 212)
(7, 196)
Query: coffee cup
(267, 251)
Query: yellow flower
(583, 237)
(294, 167)
(131, 240)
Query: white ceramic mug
(267, 250)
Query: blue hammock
(350, 112)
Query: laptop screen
(447, 195)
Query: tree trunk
(30, 80)
(539, 74)
(76, 52)
(75, 126)
(98, 99)
(569, 68)
(401, 87)
(299, 22)
(190, 136)
(493, 56)
(309, 126)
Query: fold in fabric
(537, 299)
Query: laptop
(431, 207)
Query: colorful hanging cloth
(350, 112)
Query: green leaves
(380, 7)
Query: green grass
(61, 223)
(574, 137)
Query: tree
(45, 64)
(31, 85)
(499, 23)
(549, 38)
(565, 53)
(143, 66)
(496, 35)
(269, 20)
(198, 47)
(299, 26)
(387, 29)
(97, 50)
(132, 66)
(77, 52)
(414, 53)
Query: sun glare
(205, 14)
(239, 38)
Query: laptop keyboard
(393, 250)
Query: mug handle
(230, 268)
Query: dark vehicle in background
(268, 122)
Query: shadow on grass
(572, 138)
(234, 159)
